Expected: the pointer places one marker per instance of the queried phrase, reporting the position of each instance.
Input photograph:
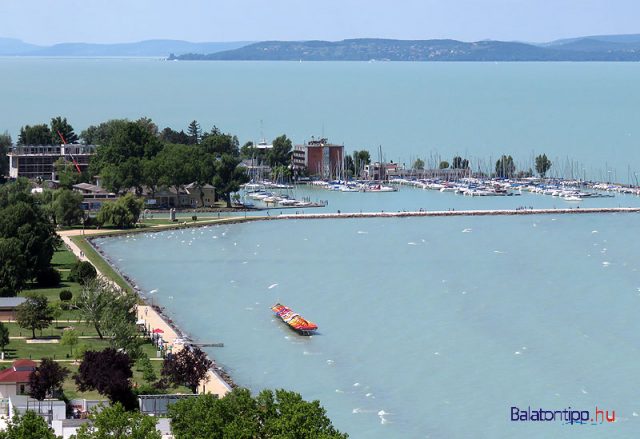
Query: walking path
(213, 383)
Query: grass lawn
(99, 262)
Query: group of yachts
(567, 190)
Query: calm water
(587, 112)
(429, 327)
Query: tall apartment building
(321, 158)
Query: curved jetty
(577, 210)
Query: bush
(48, 278)
(66, 295)
(82, 272)
(194, 218)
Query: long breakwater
(572, 211)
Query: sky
(113, 21)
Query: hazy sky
(49, 21)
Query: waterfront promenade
(213, 383)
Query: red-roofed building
(15, 379)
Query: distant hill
(11, 46)
(161, 48)
(582, 49)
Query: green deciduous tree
(459, 163)
(229, 177)
(217, 143)
(4, 336)
(13, 269)
(418, 164)
(28, 426)
(82, 272)
(281, 414)
(360, 159)
(543, 164)
(34, 314)
(67, 207)
(46, 381)
(119, 156)
(444, 164)
(505, 167)
(69, 338)
(122, 213)
(23, 219)
(280, 153)
(116, 423)
(111, 312)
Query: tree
(5, 145)
(34, 314)
(35, 135)
(116, 423)
(122, 213)
(13, 269)
(444, 164)
(46, 381)
(151, 174)
(280, 153)
(543, 164)
(418, 164)
(69, 338)
(122, 147)
(82, 272)
(168, 135)
(281, 414)
(93, 302)
(229, 177)
(505, 168)
(194, 132)
(218, 144)
(349, 167)
(178, 165)
(360, 159)
(68, 174)
(23, 219)
(112, 314)
(148, 372)
(67, 207)
(4, 337)
(28, 426)
(61, 126)
(188, 367)
(460, 163)
(109, 373)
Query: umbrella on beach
(158, 331)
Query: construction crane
(73, 159)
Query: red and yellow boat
(294, 320)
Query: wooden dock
(440, 213)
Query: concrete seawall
(441, 213)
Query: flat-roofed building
(38, 161)
(321, 158)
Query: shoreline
(159, 311)
(217, 379)
(217, 373)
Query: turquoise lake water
(585, 114)
(429, 327)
